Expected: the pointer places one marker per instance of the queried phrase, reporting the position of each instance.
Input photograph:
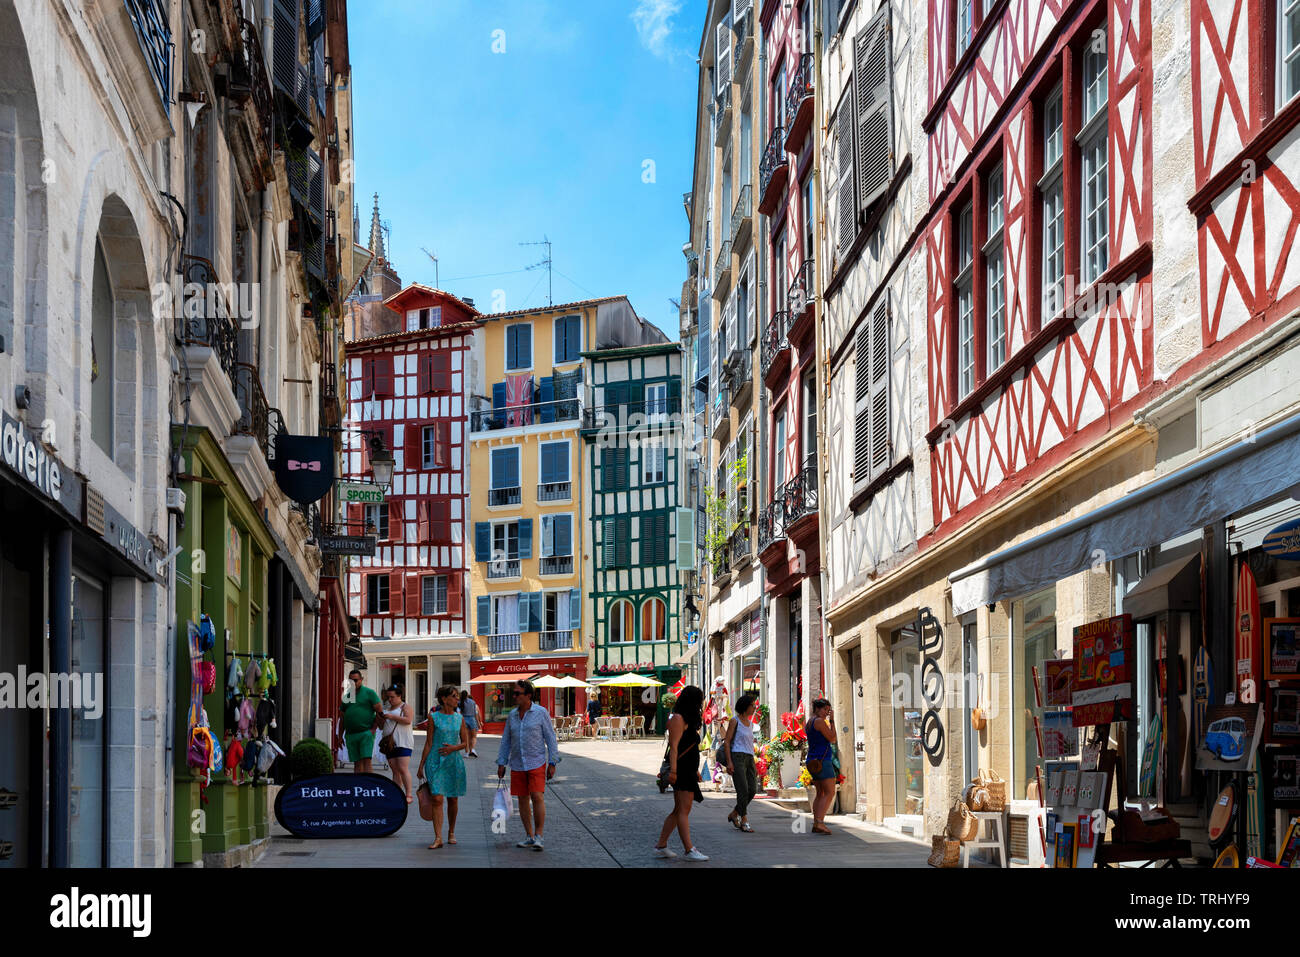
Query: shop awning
(1239, 477)
(687, 655)
(500, 679)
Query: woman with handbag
(683, 759)
(397, 739)
(821, 762)
(442, 766)
(739, 750)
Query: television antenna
(434, 257)
(550, 300)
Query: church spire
(377, 235)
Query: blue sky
(473, 151)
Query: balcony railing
(722, 267)
(632, 415)
(555, 640)
(503, 568)
(152, 30)
(554, 491)
(254, 410)
(775, 340)
(772, 169)
(254, 79)
(740, 367)
(556, 565)
(498, 644)
(743, 212)
(738, 547)
(215, 328)
(801, 88)
(721, 570)
(771, 525)
(721, 407)
(802, 289)
(515, 416)
(723, 127)
(511, 495)
(798, 497)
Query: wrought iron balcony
(554, 491)
(250, 79)
(721, 570)
(771, 526)
(505, 496)
(498, 644)
(740, 368)
(720, 418)
(742, 214)
(775, 347)
(254, 410)
(799, 101)
(798, 497)
(503, 568)
(722, 268)
(739, 547)
(215, 328)
(556, 565)
(772, 171)
(555, 640)
(723, 127)
(630, 416)
(531, 413)
(803, 289)
(153, 31)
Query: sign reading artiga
(23, 454)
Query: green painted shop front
(222, 572)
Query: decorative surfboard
(1150, 758)
(1248, 632)
(1221, 815)
(1228, 857)
(1202, 691)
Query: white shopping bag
(501, 803)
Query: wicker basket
(978, 798)
(996, 786)
(962, 824)
(944, 852)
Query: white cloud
(653, 19)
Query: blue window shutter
(499, 402)
(512, 468)
(546, 393)
(548, 464)
(548, 536)
(575, 608)
(484, 615)
(512, 348)
(482, 541)
(534, 612)
(525, 538)
(674, 395)
(562, 535)
(525, 346)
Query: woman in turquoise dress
(442, 766)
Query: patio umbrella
(631, 680)
(549, 681)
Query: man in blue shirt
(528, 745)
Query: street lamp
(381, 461)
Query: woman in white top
(740, 760)
(399, 717)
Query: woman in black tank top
(683, 758)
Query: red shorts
(524, 783)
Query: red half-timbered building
(410, 389)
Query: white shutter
(846, 207)
(729, 310)
(880, 361)
(722, 67)
(751, 299)
(862, 405)
(750, 467)
(875, 153)
(685, 539)
(739, 8)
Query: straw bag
(996, 786)
(976, 797)
(977, 717)
(962, 824)
(944, 852)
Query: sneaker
(666, 853)
(694, 855)
(537, 844)
(527, 842)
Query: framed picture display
(1289, 855)
(1281, 648)
(1052, 821)
(1282, 770)
(1066, 844)
(1085, 831)
(1284, 712)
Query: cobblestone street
(604, 810)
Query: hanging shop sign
(304, 466)
(347, 544)
(341, 805)
(129, 542)
(1284, 541)
(1103, 660)
(360, 493)
(23, 454)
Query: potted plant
(310, 757)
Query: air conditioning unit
(176, 501)
(1024, 834)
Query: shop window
(620, 623)
(1033, 642)
(909, 757)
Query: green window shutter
(623, 552)
(685, 540)
(575, 608)
(607, 543)
(484, 616)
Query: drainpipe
(760, 422)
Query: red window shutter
(384, 376)
(413, 596)
(440, 372)
(439, 521)
(426, 373)
(356, 519)
(367, 378)
(422, 522)
(365, 454)
(442, 444)
(395, 593)
(395, 514)
(414, 446)
(454, 594)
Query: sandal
(451, 838)
(746, 828)
(434, 847)
(733, 820)
(821, 829)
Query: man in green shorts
(361, 712)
